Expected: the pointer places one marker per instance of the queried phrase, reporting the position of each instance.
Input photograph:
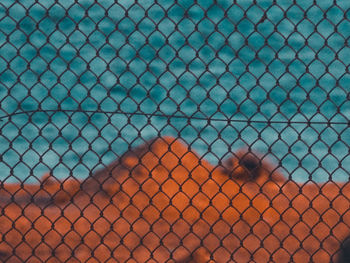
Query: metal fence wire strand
(160, 131)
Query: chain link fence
(159, 131)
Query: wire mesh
(157, 131)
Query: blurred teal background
(272, 61)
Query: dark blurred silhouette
(344, 255)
